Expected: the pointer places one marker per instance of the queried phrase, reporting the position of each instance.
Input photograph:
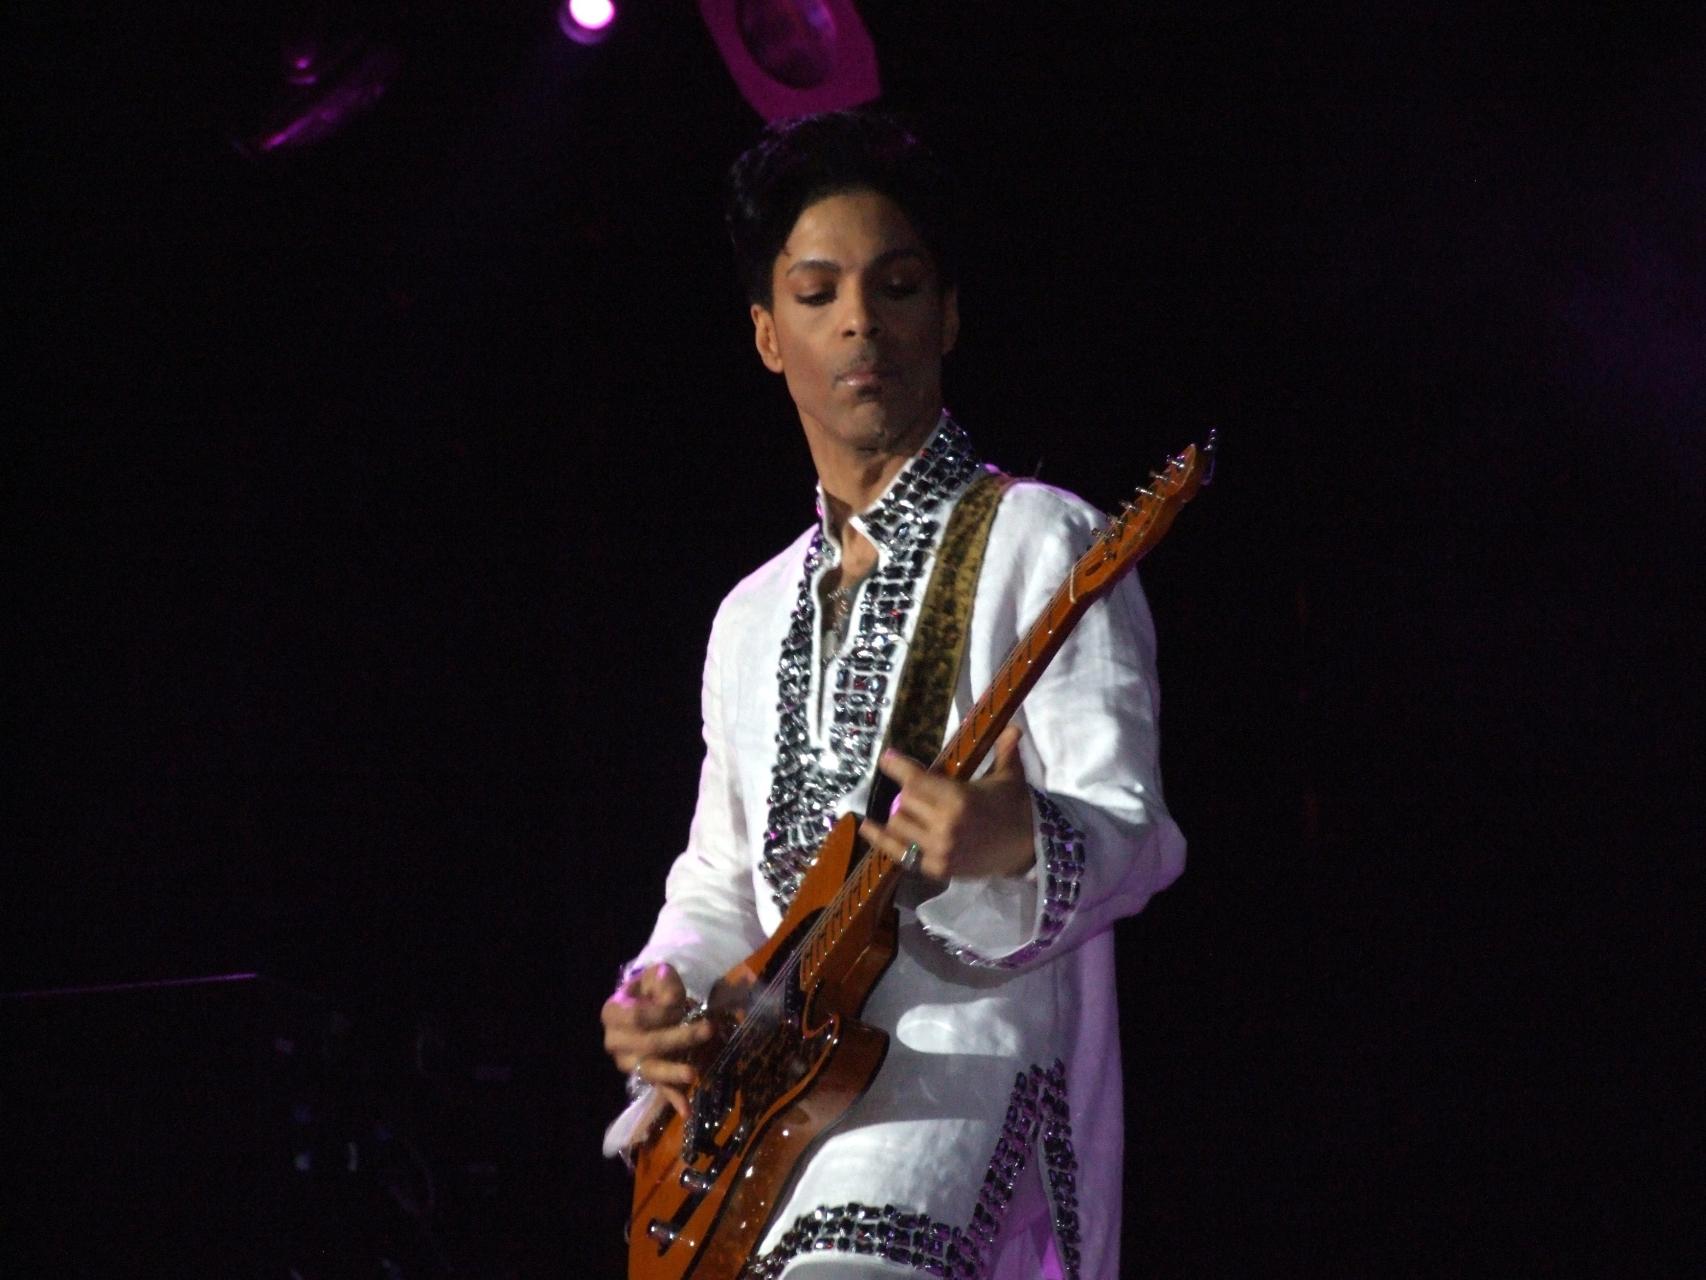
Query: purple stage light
(795, 57)
(324, 90)
(301, 63)
(586, 21)
(592, 13)
(793, 41)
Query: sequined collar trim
(809, 786)
(885, 519)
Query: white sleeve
(1104, 840)
(709, 921)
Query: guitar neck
(1117, 549)
(874, 878)
(1023, 666)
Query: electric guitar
(706, 1186)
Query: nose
(858, 316)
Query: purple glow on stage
(1634, 306)
(113, 988)
(325, 94)
(586, 21)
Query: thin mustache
(865, 361)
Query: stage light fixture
(586, 21)
(795, 57)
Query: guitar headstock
(1141, 522)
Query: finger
(884, 839)
(621, 1015)
(661, 1071)
(933, 811)
(902, 768)
(871, 831)
(675, 1097)
(1007, 760)
(671, 1042)
(921, 783)
(628, 1045)
(905, 828)
(928, 797)
(654, 996)
(894, 848)
(660, 984)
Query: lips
(866, 375)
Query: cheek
(799, 357)
(924, 329)
(797, 373)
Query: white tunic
(1002, 1080)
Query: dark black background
(366, 508)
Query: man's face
(858, 325)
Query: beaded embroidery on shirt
(807, 786)
(1037, 1108)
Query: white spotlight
(586, 21)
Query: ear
(764, 338)
(950, 318)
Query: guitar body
(701, 1213)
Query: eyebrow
(880, 261)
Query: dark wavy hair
(799, 162)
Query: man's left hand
(978, 828)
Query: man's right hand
(643, 1029)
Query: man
(990, 1141)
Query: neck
(854, 478)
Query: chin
(883, 430)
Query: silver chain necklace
(837, 613)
